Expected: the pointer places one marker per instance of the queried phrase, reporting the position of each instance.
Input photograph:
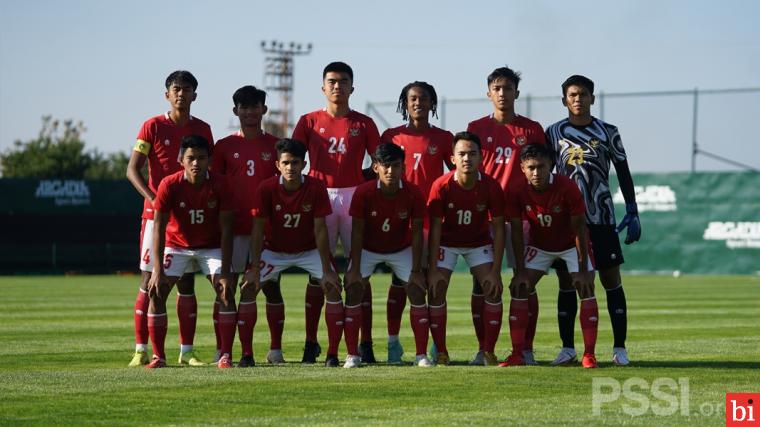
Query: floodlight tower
(278, 79)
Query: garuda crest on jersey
(594, 143)
(432, 149)
(353, 132)
(520, 140)
(266, 156)
(480, 208)
(306, 208)
(557, 209)
(403, 214)
(212, 203)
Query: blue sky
(104, 62)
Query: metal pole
(694, 148)
(528, 105)
(601, 105)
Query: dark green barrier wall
(707, 223)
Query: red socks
(367, 314)
(157, 326)
(315, 299)
(351, 326)
(518, 323)
(420, 327)
(476, 307)
(492, 314)
(227, 321)
(141, 317)
(334, 320)
(530, 332)
(395, 308)
(589, 323)
(246, 320)
(438, 326)
(276, 321)
(187, 314)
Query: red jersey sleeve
(435, 201)
(300, 132)
(357, 205)
(162, 202)
(496, 199)
(322, 200)
(575, 200)
(262, 202)
(373, 137)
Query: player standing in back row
(427, 150)
(503, 134)
(337, 139)
(158, 143)
(584, 147)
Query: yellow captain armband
(142, 146)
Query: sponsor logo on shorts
(266, 156)
(520, 140)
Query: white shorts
(400, 262)
(177, 261)
(539, 259)
(272, 263)
(146, 245)
(447, 257)
(511, 262)
(241, 248)
(339, 221)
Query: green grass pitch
(65, 343)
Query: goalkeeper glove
(631, 222)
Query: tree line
(58, 152)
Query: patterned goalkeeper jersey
(584, 154)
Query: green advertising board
(69, 196)
(703, 223)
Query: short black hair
(182, 76)
(504, 73)
(536, 151)
(249, 96)
(577, 80)
(402, 107)
(338, 67)
(388, 152)
(291, 146)
(194, 142)
(467, 136)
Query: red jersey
(337, 145)
(465, 213)
(246, 162)
(387, 220)
(548, 212)
(291, 215)
(160, 139)
(426, 153)
(501, 145)
(193, 211)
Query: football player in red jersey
(554, 207)
(289, 230)
(194, 212)
(428, 150)
(503, 134)
(462, 205)
(387, 228)
(248, 157)
(337, 139)
(158, 144)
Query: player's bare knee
(186, 284)
(416, 295)
(333, 296)
(247, 294)
(476, 288)
(272, 292)
(144, 279)
(354, 293)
